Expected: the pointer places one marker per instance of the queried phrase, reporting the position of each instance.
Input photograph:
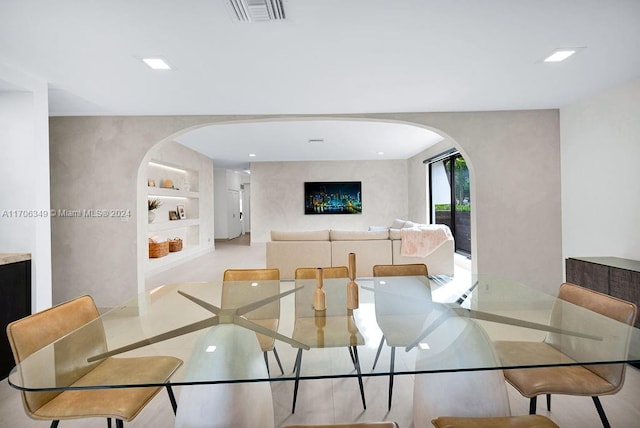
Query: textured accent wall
(277, 195)
(514, 159)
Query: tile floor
(333, 401)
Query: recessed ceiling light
(156, 63)
(561, 54)
(380, 153)
(252, 155)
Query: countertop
(8, 258)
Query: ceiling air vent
(257, 10)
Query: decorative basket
(158, 249)
(175, 244)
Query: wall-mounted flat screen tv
(333, 197)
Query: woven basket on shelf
(175, 244)
(158, 249)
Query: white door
(233, 213)
(246, 208)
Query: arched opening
(411, 201)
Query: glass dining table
(397, 321)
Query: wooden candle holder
(352, 287)
(319, 299)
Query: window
(450, 197)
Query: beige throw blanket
(420, 242)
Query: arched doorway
(412, 192)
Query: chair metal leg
(603, 417)
(275, 354)
(54, 423)
(532, 405)
(108, 422)
(391, 364)
(266, 362)
(353, 357)
(172, 398)
(119, 423)
(548, 402)
(297, 381)
(357, 364)
(378, 353)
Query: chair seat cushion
(120, 403)
(527, 421)
(570, 380)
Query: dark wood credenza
(610, 275)
(15, 300)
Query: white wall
(24, 174)
(601, 175)
(277, 195)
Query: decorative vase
(152, 216)
(353, 299)
(319, 300)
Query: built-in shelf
(160, 192)
(162, 263)
(175, 224)
(187, 229)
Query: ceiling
(328, 56)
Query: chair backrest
(31, 334)
(569, 317)
(236, 295)
(250, 274)
(327, 272)
(414, 269)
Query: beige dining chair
(464, 399)
(268, 315)
(414, 269)
(71, 351)
(526, 421)
(587, 380)
(327, 272)
(342, 338)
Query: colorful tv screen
(333, 197)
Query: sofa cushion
(398, 223)
(395, 234)
(378, 228)
(314, 235)
(365, 235)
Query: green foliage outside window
(459, 208)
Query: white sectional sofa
(288, 251)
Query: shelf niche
(178, 184)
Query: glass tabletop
(434, 324)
